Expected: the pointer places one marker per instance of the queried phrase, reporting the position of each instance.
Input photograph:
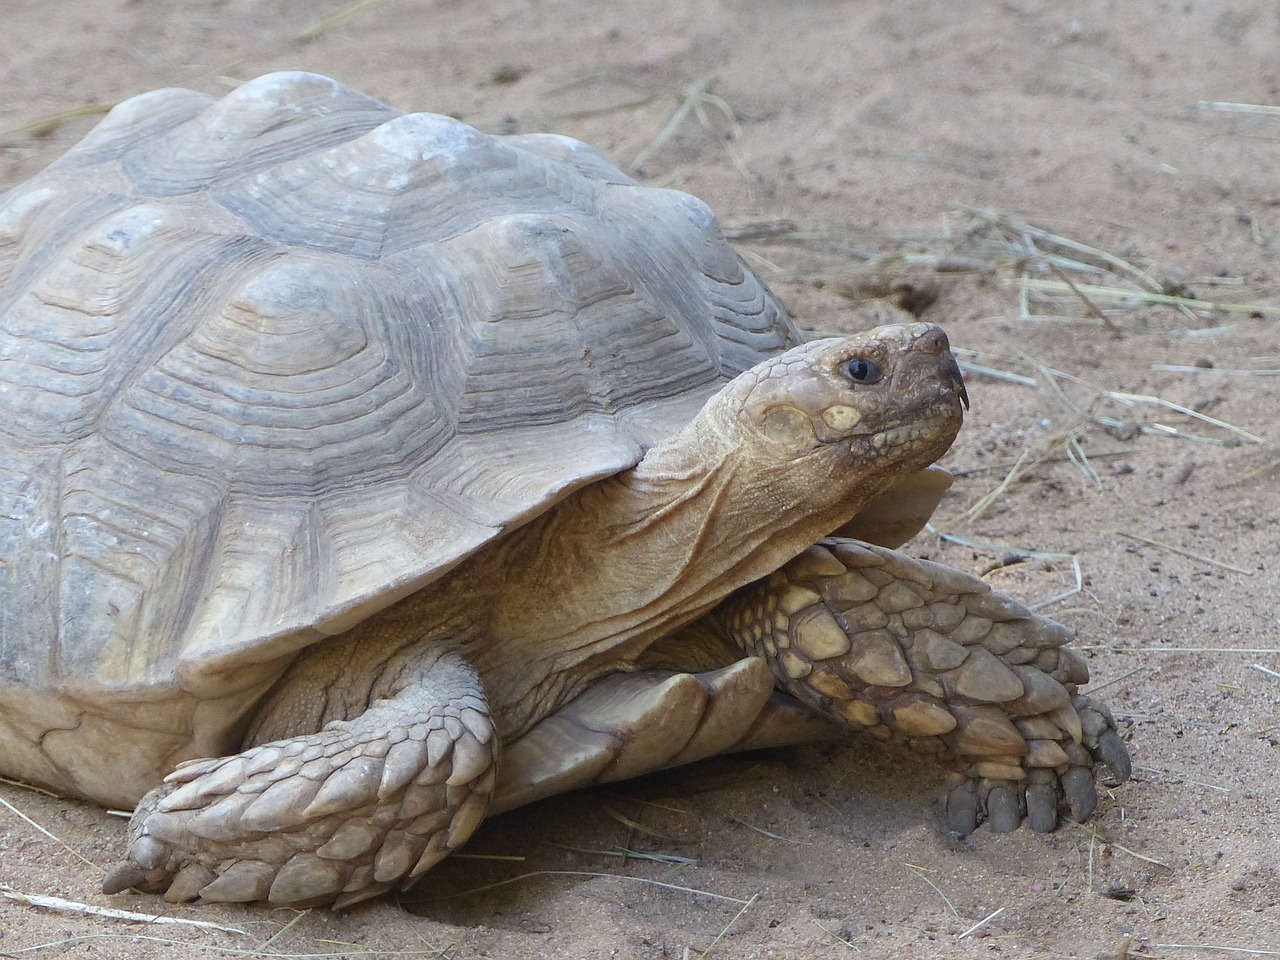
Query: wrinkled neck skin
(625, 561)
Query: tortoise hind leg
(630, 724)
(332, 817)
(912, 650)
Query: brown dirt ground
(874, 127)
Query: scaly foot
(333, 817)
(917, 651)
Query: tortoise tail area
(110, 747)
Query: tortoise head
(878, 404)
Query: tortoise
(364, 474)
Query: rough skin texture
(331, 818)
(912, 650)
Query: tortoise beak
(933, 340)
(957, 379)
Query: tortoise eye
(862, 370)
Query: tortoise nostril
(931, 339)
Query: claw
(1082, 797)
(186, 886)
(1042, 807)
(1101, 737)
(242, 882)
(962, 809)
(1084, 702)
(1092, 723)
(1004, 812)
(125, 876)
(364, 893)
(1112, 751)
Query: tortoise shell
(271, 362)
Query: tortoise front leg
(332, 817)
(914, 650)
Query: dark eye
(862, 370)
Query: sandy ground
(853, 139)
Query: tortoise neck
(625, 561)
(715, 514)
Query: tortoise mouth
(926, 428)
(914, 443)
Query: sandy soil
(861, 129)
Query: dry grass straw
(1170, 776)
(1176, 649)
(632, 825)
(1028, 554)
(1051, 273)
(59, 905)
(1219, 948)
(982, 923)
(1078, 415)
(625, 854)
(338, 18)
(766, 833)
(56, 839)
(1126, 299)
(1064, 443)
(1136, 399)
(720, 936)
(65, 944)
(868, 254)
(1076, 419)
(1096, 838)
(697, 100)
(1220, 371)
(1257, 473)
(594, 876)
(920, 872)
(1227, 106)
(827, 930)
(1160, 545)
(1057, 277)
(45, 126)
(580, 90)
(497, 857)
(32, 788)
(1005, 241)
(1033, 250)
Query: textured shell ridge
(261, 123)
(136, 120)
(29, 495)
(410, 182)
(585, 158)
